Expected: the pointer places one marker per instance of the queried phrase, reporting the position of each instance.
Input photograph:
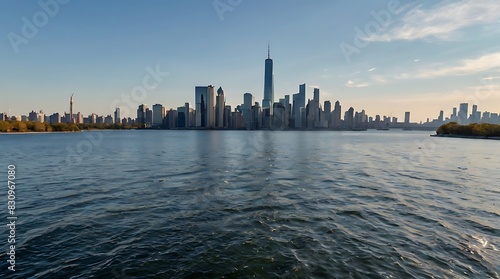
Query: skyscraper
(141, 115)
(407, 117)
(454, 116)
(349, 119)
(158, 115)
(219, 108)
(463, 113)
(299, 103)
(205, 106)
(268, 101)
(117, 115)
(183, 116)
(336, 115)
(327, 114)
(316, 109)
(71, 117)
(246, 110)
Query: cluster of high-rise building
(211, 111)
(70, 117)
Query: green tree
(38, 127)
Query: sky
(383, 56)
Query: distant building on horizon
(407, 118)
(463, 113)
(220, 105)
(299, 103)
(158, 115)
(71, 116)
(141, 115)
(117, 115)
(205, 106)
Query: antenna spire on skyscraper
(268, 50)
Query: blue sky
(418, 56)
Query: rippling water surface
(244, 204)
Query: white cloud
(442, 21)
(353, 84)
(372, 69)
(465, 67)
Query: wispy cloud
(353, 84)
(351, 74)
(379, 79)
(465, 67)
(372, 69)
(442, 21)
(491, 78)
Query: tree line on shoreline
(28, 126)
(474, 130)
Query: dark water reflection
(239, 204)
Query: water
(244, 204)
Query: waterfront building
(41, 117)
(149, 117)
(268, 100)
(205, 106)
(463, 114)
(108, 119)
(407, 118)
(55, 118)
(183, 114)
(256, 121)
(71, 116)
(220, 105)
(299, 103)
(279, 116)
(246, 110)
(227, 116)
(117, 115)
(158, 115)
(141, 115)
(349, 119)
(171, 119)
(336, 116)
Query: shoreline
(465, 137)
(205, 129)
(31, 132)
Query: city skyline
(211, 111)
(79, 50)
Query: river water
(245, 204)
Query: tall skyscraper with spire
(267, 102)
(71, 116)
